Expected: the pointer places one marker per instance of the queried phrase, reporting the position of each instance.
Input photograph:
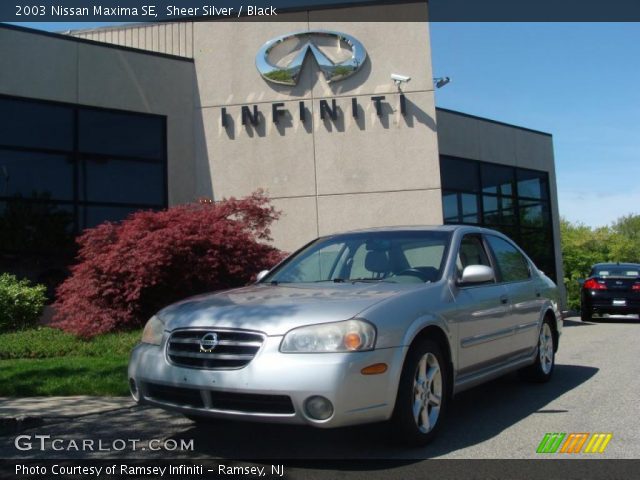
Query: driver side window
(471, 252)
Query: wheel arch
(438, 334)
(553, 320)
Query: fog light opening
(318, 408)
(133, 388)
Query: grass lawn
(63, 376)
(46, 361)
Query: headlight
(153, 331)
(348, 336)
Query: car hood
(276, 309)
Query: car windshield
(397, 256)
(621, 271)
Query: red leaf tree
(127, 271)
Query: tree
(583, 246)
(126, 272)
(626, 245)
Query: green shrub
(573, 293)
(21, 303)
(126, 272)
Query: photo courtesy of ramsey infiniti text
(375, 325)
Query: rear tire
(423, 395)
(585, 314)
(542, 369)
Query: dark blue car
(612, 288)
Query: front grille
(249, 402)
(224, 401)
(235, 348)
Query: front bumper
(273, 387)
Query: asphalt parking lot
(595, 389)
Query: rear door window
(512, 265)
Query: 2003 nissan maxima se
(367, 326)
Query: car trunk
(618, 284)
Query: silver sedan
(368, 326)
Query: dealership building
(96, 124)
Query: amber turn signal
(352, 341)
(375, 369)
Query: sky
(577, 81)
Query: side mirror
(261, 275)
(476, 274)
(581, 281)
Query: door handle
(538, 294)
(504, 299)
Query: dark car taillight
(636, 287)
(592, 284)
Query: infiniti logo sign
(287, 72)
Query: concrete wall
(325, 176)
(62, 69)
(463, 136)
(172, 38)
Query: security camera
(441, 81)
(398, 79)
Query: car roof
(616, 264)
(419, 228)
(402, 228)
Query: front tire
(423, 395)
(542, 369)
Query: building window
(64, 168)
(36, 125)
(121, 134)
(512, 200)
(122, 181)
(37, 175)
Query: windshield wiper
(354, 280)
(368, 280)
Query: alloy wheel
(545, 348)
(427, 392)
